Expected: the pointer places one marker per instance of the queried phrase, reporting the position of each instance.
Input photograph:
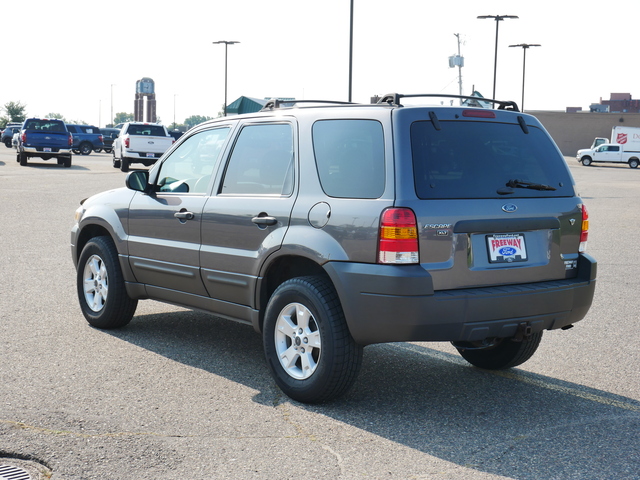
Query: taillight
(398, 237)
(584, 230)
(70, 140)
(23, 137)
(126, 142)
(101, 138)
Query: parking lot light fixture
(524, 47)
(498, 19)
(226, 45)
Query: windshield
(486, 160)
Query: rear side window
(261, 162)
(350, 157)
(478, 159)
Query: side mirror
(138, 181)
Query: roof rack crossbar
(276, 103)
(394, 99)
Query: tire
(76, 151)
(304, 320)
(633, 163)
(22, 158)
(85, 148)
(98, 150)
(586, 161)
(107, 150)
(124, 164)
(504, 354)
(7, 143)
(100, 284)
(66, 161)
(116, 162)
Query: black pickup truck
(86, 138)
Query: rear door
(164, 227)
(495, 201)
(247, 217)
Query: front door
(164, 226)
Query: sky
(82, 59)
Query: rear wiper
(533, 186)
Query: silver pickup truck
(140, 142)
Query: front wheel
(100, 285)
(586, 161)
(633, 163)
(307, 344)
(503, 353)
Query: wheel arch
(279, 270)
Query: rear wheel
(116, 161)
(22, 158)
(100, 284)
(7, 143)
(503, 353)
(124, 164)
(307, 343)
(586, 161)
(85, 148)
(633, 163)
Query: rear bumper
(36, 151)
(385, 303)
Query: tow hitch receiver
(523, 332)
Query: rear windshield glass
(45, 125)
(350, 157)
(486, 160)
(152, 130)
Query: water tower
(144, 108)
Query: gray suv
(329, 227)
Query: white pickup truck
(609, 153)
(140, 142)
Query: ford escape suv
(329, 227)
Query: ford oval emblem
(509, 208)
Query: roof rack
(394, 99)
(277, 103)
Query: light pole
(350, 50)
(226, 45)
(498, 19)
(111, 119)
(524, 46)
(174, 110)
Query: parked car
(332, 227)
(86, 138)
(45, 138)
(140, 142)
(7, 134)
(108, 137)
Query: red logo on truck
(621, 138)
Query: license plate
(46, 149)
(506, 248)
(151, 155)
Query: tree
(194, 120)
(59, 116)
(15, 112)
(123, 117)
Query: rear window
(478, 159)
(151, 130)
(45, 125)
(350, 157)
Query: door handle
(264, 221)
(183, 215)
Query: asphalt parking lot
(179, 394)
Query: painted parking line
(525, 378)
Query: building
(618, 103)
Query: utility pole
(460, 63)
